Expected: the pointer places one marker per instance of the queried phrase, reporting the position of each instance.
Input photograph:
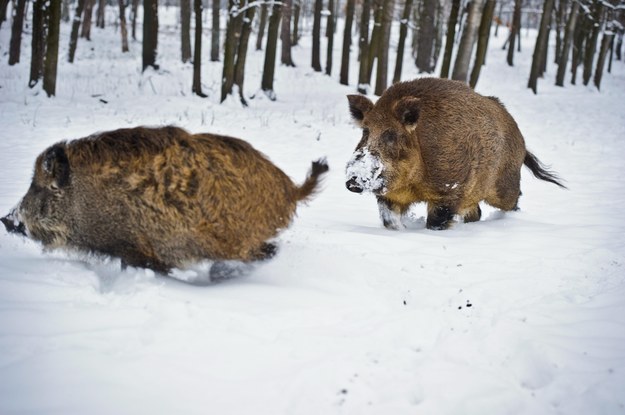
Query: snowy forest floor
(520, 313)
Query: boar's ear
(56, 165)
(359, 106)
(407, 111)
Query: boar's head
(387, 143)
(43, 212)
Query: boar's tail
(309, 187)
(540, 170)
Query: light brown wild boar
(159, 198)
(437, 141)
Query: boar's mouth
(12, 224)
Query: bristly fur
(310, 186)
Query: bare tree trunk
(560, 23)
(150, 33)
(270, 52)
(316, 48)
(347, 41)
(262, 25)
(581, 31)
(133, 10)
(403, 32)
(514, 31)
(233, 33)
(297, 8)
(374, 45)
(197, 50)
(38, 45)
(603, 52)
(498, 19)
(482, 43)
(185, 28)
(543, 58)
(426, 37)
(330, 35)
(541, 43)
(285, 36)
(16, 32)
(239, 68)
(100, 14)
(52, 47)
(363, 46)
(64, 11)
(215, 32)
(73, 38)
(381, 81)
(85, 31)
(4, 4)
(465, 48)
(451, 35)
(591, 43)
(123, 26)
(566, 44)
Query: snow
(520, 313)
(366, 170)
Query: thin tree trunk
(330, 35)
(150, 33)
(316, 48)
(133, 10)
(269, 66)
(426, 37)
(65, 11)
(591, 43)
(233, 33)
(403, 32)
(482, 43)
(603, 52)
(560, 24)
(262, 25)
(451, 35)
(381, 81)
(374, 45)
(514, 31)
(363, 46)
(543, 58)
(52, 47)
(197, 50)
(581, 31)
(541, 43)
(215, 31)
(185, 29)
(123, 26)
(498, 19)
(38, 45)
(85, 31)
(16, 32)
(619, 46)
(100, 14)
(297, 8)
(239, 68)
(285, 35)
(4, 4)
(566, 44)
(347, 41)
(465, 48)
(73, 38)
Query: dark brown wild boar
(437, 141)
(159, 198)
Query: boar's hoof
(265, 252)
(353, 186)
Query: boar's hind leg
(508, 190)
(439, 217)
(472, 215)
(390, 213)
(266, 251)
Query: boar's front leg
(390, 213)
(439, 217)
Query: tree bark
(316, 48)
(465, 48)
(381, 81)
(482, 43)
(239, 68)
(197, 50)
(285, 35)
(426, 37)
(297, 8)
(73, 38)
(85, 31)
(269, 66)
(591, 42)
(566, 44)
(185, 29)
(262, 25)
(363, 46)
(100, 14)
(374, 44)
(541, 43)
(215, 31)
(133, 10)
(514, 30)
(16, 32)
(233, 33)
(123, 26)
(403, 32)
(330, 35)
(150, 33)
(603, 52)
(560, 24)
(38, 42)
(347, 41)
(4, 4)
(581, 31)
(52, 47)
(451, 35)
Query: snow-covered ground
(520, 313)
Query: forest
(588, 36)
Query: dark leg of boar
(439, 217)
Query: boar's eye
(389, 137)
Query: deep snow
(520, 313)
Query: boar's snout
(353, 186)
(13, 224)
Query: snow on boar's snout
(159, 198)
(437, 141)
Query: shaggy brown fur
(160, 198)
(440, 142)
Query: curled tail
(309, 187)
(540, 171)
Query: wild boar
(437, 141)
(159, 198)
